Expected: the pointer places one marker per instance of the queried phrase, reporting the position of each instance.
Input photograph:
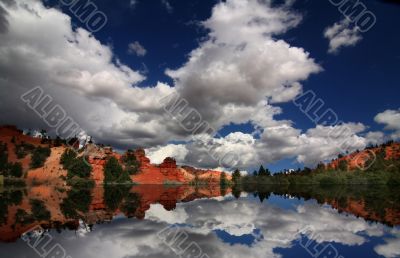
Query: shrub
(15, 169)
(39, 210)
(39, 156)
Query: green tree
(114, 173)
(79, 168)
(68, 158)
(39, 210)
(236, 177)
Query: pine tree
(223, 180)
(263, 172)
(67, 158)
(114, 173)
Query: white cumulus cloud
(342, 34)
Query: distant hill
(362, 159)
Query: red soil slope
(359, 159)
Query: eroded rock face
(142, 159)
(169, 168)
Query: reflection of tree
(236, 191)
(38, 212)
(130, 204)
(120, 197)
(223, 190)
(263, 195)
(8, 198)
(378, 203)
(78, 201)
(113, 195)
(3, 211)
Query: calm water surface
(158, 221)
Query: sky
(242, 65)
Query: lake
(185, 221)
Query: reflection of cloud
(200, 219)
(390, 249)
(158, 213)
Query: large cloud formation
(235, 76)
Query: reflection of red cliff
(358, 208)
(168, 197)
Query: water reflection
(246, 222)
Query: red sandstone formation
(166, 173)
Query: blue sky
(359, 81)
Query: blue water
(220, 227)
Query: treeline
(380, 170)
